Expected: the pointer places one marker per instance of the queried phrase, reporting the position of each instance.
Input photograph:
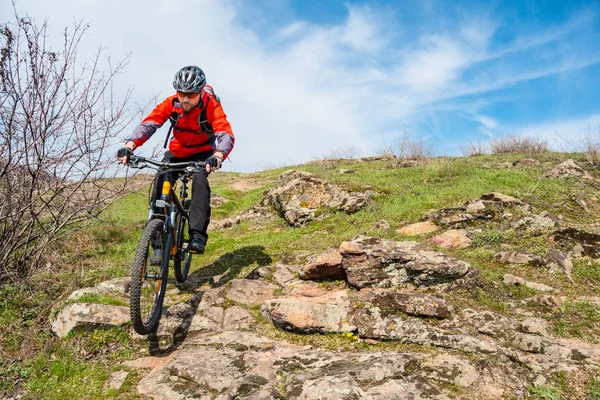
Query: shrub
(518, 144)
(407, 148)
(476, 149)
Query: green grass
(101, 299)
(545, 393)
(593, 390)
(578, 319)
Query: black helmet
(189, 79)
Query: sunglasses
(192, 95)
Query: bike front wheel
(149, 277)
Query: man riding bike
(201, 132)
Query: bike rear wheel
(183, 259)
(149, 277)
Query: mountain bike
(164, 239)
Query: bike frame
(174, 210)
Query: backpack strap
(202, 119)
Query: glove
(214, 162)
(124, 152)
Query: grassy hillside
(35, 363)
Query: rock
(420, 228)
(528, 343)
(526, 162)
(449, 216)
(217, 200)
(406, 163)
(225, 223)
(547, 300)
(250, 292)
(543, 221)
(452, 239)
(117, 285)
(589, 241)
(560, 260)
(578, 250)
(583, 205)
(116, 380)
(237, 319)
(381, 157)
(328, 387)
(392, 302)
(535, 326)
(539, 380)
(284, 274)
(517, 281)
(512, 257)
(346, 171)
(88, 316)
(382, 225)
(329, 313)
(501, 198)
(489, 323)
(568, 169)
(208, 319)
(373, 262)
(450, 369)
(260, 272)
(213, 297)
(476, 207)
(325, 266)
(298, 195)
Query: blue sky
(305, 79)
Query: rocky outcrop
(568, 169)
(249, 366)
(299, 196)
(419, 228)
(451, 239)
(513, 280)
(589, 241)
(513, 257)
(373, 262)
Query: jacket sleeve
(152, 122)
(221, 128)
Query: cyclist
(201, 132)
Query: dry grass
(476, 149)
(519, 144)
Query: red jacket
(188, 136)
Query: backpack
(202, 120)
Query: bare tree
(57, 119)
(407, 148)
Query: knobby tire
(142, 285)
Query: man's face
(188, 100)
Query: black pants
(200, 208)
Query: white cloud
(303, 89)
(568, 134)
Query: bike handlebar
(140, 162)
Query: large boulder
(374, 262)
(299, 196)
